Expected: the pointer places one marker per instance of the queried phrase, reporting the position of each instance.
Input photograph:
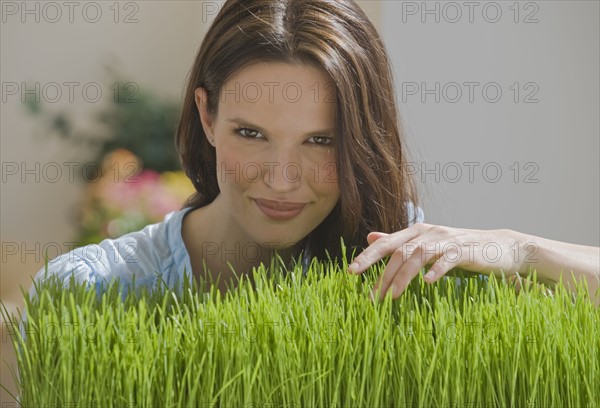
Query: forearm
(551, 258)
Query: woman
(291, 136)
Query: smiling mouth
(279, 210)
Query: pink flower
(124, 200)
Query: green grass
(284, 339)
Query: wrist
(524, 250)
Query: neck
(219, 250)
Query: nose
(282, 171)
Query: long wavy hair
(337, 37)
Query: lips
(280, 210)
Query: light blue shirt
(156, 252)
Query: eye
(248, 133)
(322, 140)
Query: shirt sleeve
(137, 259)
(132, 259)
(63, 267)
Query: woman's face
(273, 136)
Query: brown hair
(337, 37)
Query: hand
(445, 248)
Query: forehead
(280, 91)
(279, 71)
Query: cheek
(332, 184)
(324, 178)
(242, 163)
(233, 168)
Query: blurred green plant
(136, 175)
(135, 120)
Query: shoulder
(144, 256)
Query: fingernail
(393, 290)
(429, 275)
(353, 267)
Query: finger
(374, 236)
(379, 249)
(391, 269)
(411, 268)
(447, 261)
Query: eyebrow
(245, 123)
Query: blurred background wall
(500, 102)
(501, 106)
